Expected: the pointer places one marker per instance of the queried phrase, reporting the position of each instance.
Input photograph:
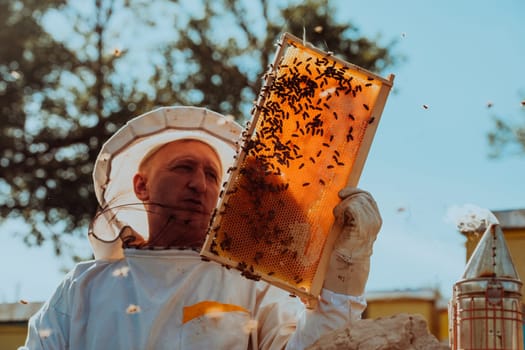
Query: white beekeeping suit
(130, 298)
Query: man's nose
(197, 181)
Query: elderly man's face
(180, 184)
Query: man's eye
(184, 167)
(212, 175)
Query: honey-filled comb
(312, 127)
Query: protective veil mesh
(121, 213)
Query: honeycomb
(311, 130)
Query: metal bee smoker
(486, 310)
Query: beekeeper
(157, 181)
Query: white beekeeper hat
(122, 153)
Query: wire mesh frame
(218, 242)
(478, 324)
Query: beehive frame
(311, 130)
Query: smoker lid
(491, 258)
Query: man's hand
(359, 219)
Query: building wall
(384, 308)
(423, 302)
(12, 335)
(442, 332)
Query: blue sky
(461, 55)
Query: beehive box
(311, 130)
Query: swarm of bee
(307, 131)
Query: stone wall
(398, 332)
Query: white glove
(359, 220)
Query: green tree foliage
(226, 47)
(73, 72)
(508, 135)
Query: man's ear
(139, 187)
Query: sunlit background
(464, 65)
